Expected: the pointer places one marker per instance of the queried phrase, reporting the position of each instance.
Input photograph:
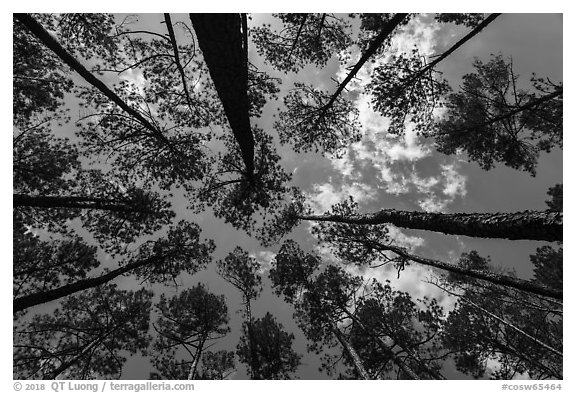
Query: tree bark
(75, 202)
(349, 349)
(221, 41)
(35, 299)
(530, 225)
(508, 281)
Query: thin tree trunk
(297, 36)
(508, 281)
(65, 365)
(530, 225)
(404, 367)
(454, 47)
(35, 299)
(503, 321)
(194, 367)
(75, 202)
(374, 45)
(349, 349)
(222, 43)
(170, 28)
(528, 105)
(254, 363)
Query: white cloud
(325, 195)
(412, 280)
(455, 183)
(135, 77)
(265, 259)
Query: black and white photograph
(287, 196)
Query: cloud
(412, 280)
(265, 259)
(325, 195)
(455, 183)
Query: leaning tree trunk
(508, 281)
(489, 19)
(349, 349)
(46, 38)
(222, 39)
(530, 225)
(374, 45)
(76, 202)
(35, 299)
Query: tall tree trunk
(508, 281)
(222, 43)
(387, 350)
(349, 349)
(530, 225)
(35, 299)
(76, 202)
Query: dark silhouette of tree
(401, 99)
(468, 20)
(493, 120)
(40, 265)
(241, 270)
(556, 202)
(216, 365)
(304, 39)
(186, 324)
(316, 313)
(522, 332)
(323, 122)
(406, 334)
(220, 34)
(40, 80)
(158, 261)
(273, 347)
(408, 88)
(335, 305)
(87, 337)
(237, 199)
(151, 152)
(51, 188)
(548, 266)
(309, 124)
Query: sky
(405, 173)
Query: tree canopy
(287, 196)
